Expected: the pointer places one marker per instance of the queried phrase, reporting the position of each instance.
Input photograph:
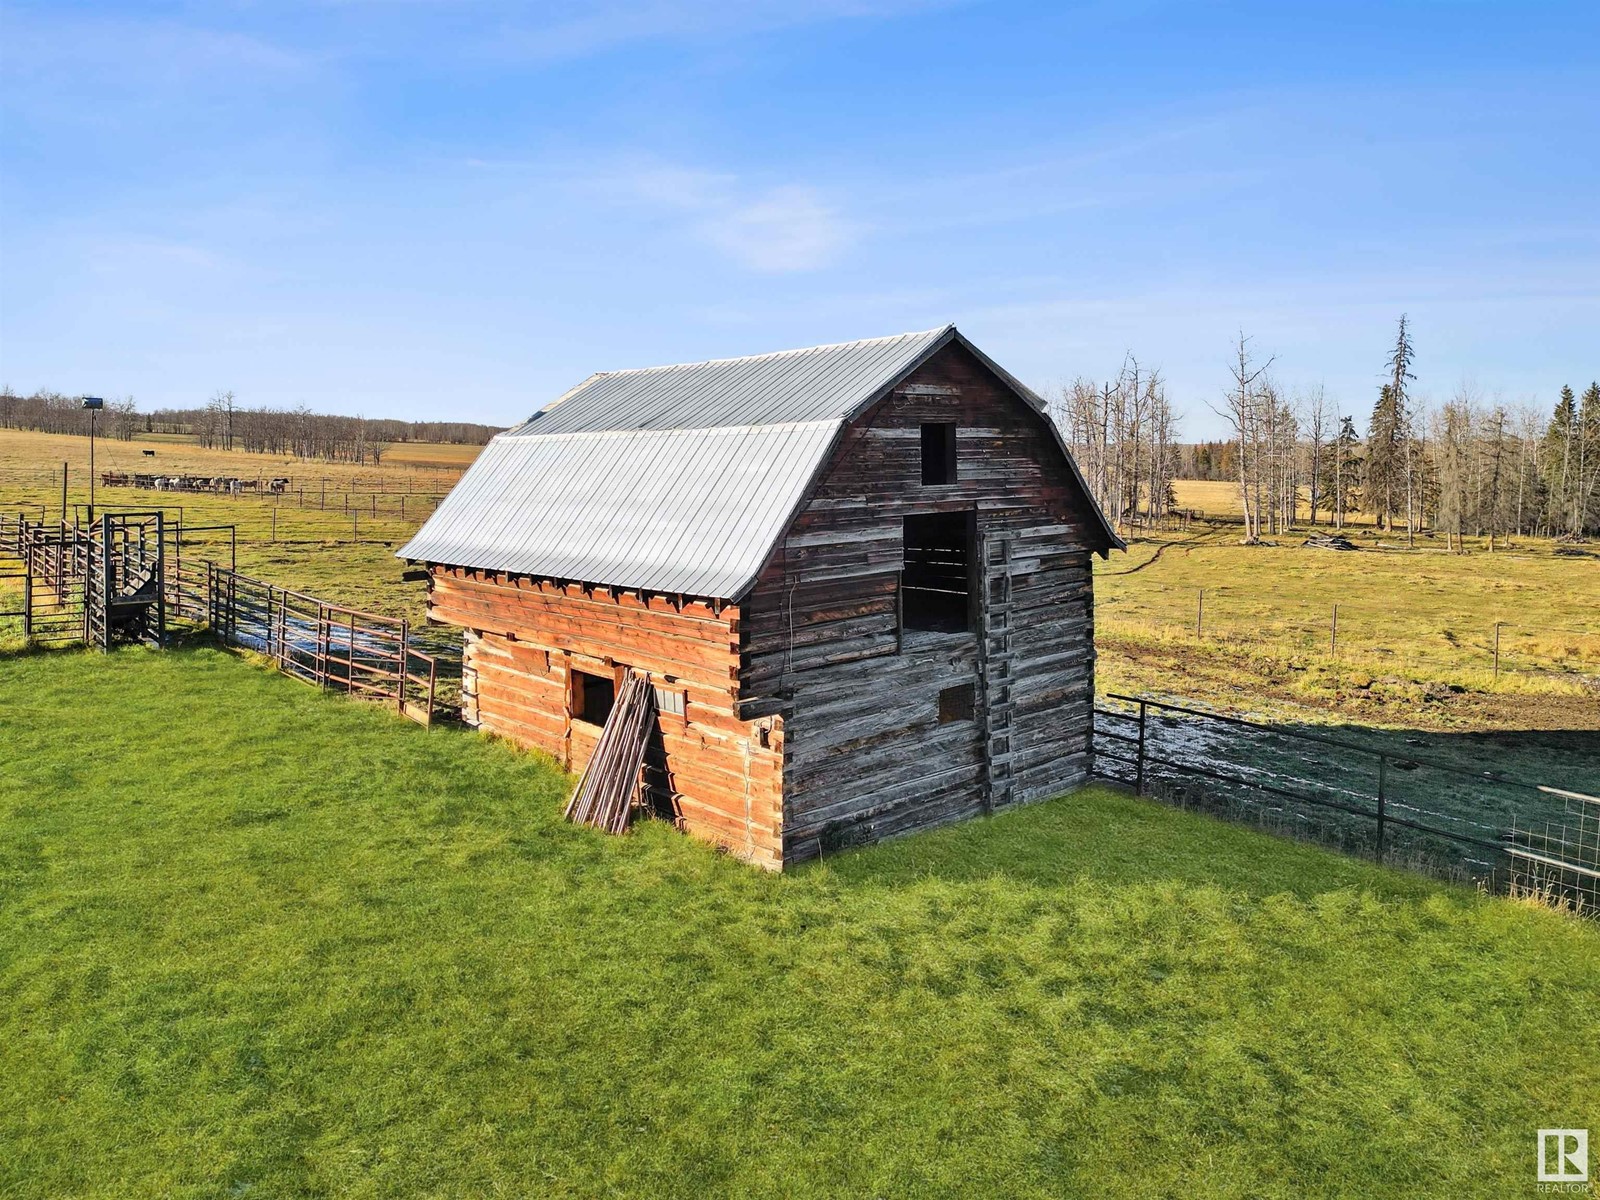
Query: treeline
(223, 424)
(1465, 467)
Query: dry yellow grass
(1414, 625)
(1219, 499)
(33, 461)
(333, 534)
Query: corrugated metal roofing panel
(672, 479)
(677, 510)
(821, 383)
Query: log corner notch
(853, 580)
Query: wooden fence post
(1497, 625)
(1199, 612)
(1333, 634)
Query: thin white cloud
(782, 228)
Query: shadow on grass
(1105, 835)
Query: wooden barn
(857, 576)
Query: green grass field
(259, 942)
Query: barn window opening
(671, 700)
(957, 703)
(939, 452)
(936, 583)
(592, 697)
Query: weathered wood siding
(865, 755)
(525, 637)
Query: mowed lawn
(259, 942)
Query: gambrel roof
(675, 479)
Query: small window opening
(957, 703)
(939, 452)
(670, 700)
(936, 584)
(592, 697)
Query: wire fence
(1407, 809)
(1352, 633)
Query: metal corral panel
(675, 510)
(823, 383)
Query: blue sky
(442, 208)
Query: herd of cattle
(229, 484)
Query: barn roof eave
(562, 581)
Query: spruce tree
(1556, 461)
(1588, 507)
(1383, 465)
(1389, 434)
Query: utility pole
(94, 404)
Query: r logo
(1563, 1155)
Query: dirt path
(1187, 543)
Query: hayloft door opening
(938, 452)
(936, 583)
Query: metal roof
(822, 383)
(692, 511)
(670, 479)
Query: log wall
(721, 773)
(865, 753)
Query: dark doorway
(592, 697)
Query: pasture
(335, 541)
(1415, 634)
(1416, 626)
(399, 972)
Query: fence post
(27, 593)
(405, 652)
(1199, 612)
(1138, 775)
(1333, 634)
(1497, 625)
(1383, 772)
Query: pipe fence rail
(187, 573)
(326, 645)
(1401, 807)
